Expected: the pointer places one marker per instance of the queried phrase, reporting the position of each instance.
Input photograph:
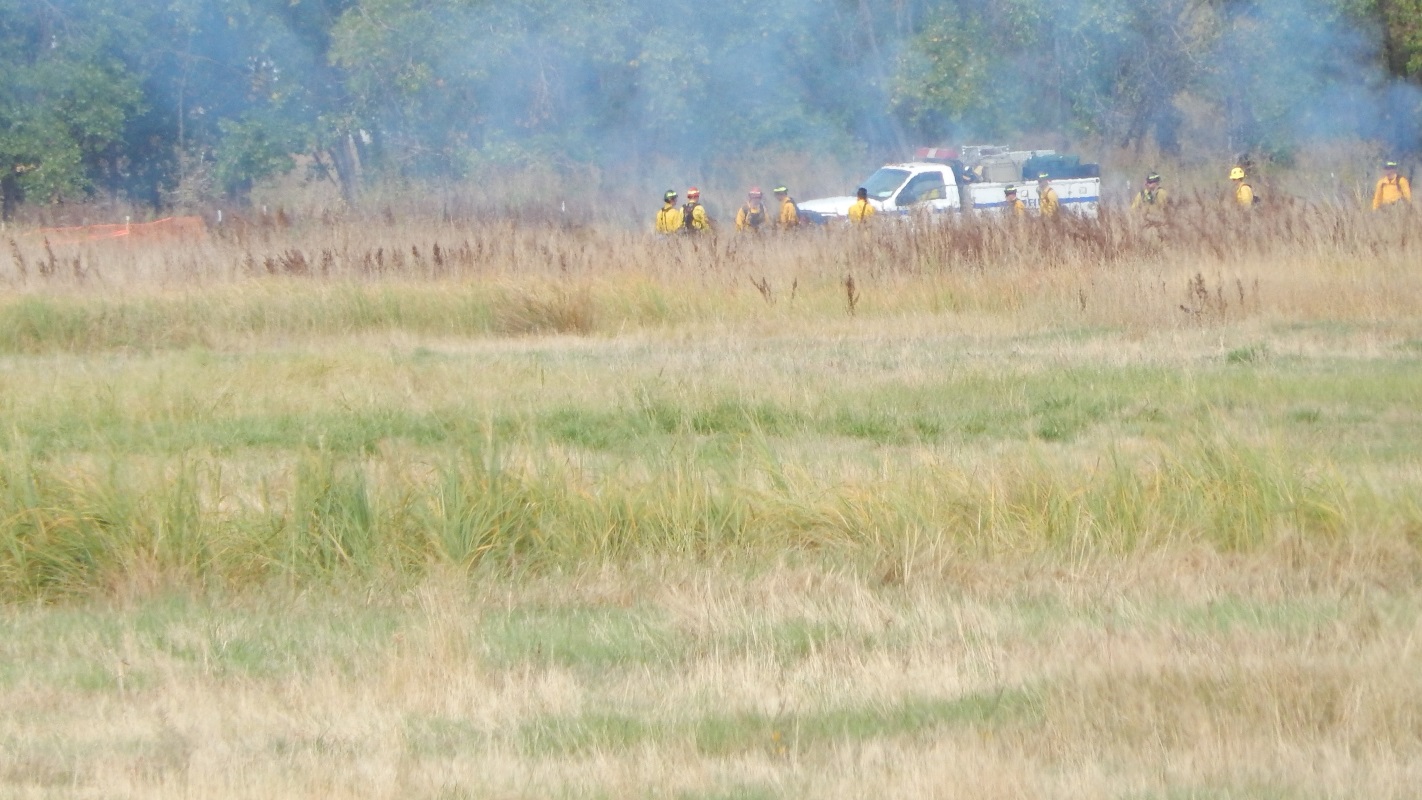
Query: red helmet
(693, 193)
(755, 193)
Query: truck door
(922, 188)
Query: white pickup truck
(942, 185)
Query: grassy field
(525, 508)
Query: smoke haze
(657, 94)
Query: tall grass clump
(1202, 490)
(71, 529)
(478, 511)
(331, 523)
(561, 310)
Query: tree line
(170, 102)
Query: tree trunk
(10, 195)
(345, 155)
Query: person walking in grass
(1013, 205)
(1152, 200)
(694, 214)
(752, 214)
(1243, 192)
(862, 209)
(1047, 203)
(1392, 189)
(670, 219)
(789, 212)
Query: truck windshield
(883, 183)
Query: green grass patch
(733, 733)
(1251, 354)
(788, 641)
(441, 736)
(730, 734)
(158, 415)
(581, 734)
(592, 639)
(1061, 418)
(1247, 614)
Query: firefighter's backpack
(755, 217)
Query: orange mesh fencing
(168, 229)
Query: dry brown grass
(1208, 266)
(1181, 673)
(920, 662)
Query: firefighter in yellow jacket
(1243, 192)
(752, 214)
(1150, 201)
(670, 219)
(1047, 203)
(1015, 208)
(862, 209)
(694, 216)
(1392, 188)
(789, 212)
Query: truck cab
(905, 186)
(900, 188)
(942, 183)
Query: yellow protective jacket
(696, 221)
(1391, 191)
(1016, 207)
(1047, 202)
(751, 218)
(670, 219)
(1148, 201)
(861, 211)
(1244, 194)
(789, 214)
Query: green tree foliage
(1399, 23)
(1270, 72)
(967, 73)
(160, 101)
(64, 102)
(242, 79)
(414, 78)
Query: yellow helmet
(1236, 174)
